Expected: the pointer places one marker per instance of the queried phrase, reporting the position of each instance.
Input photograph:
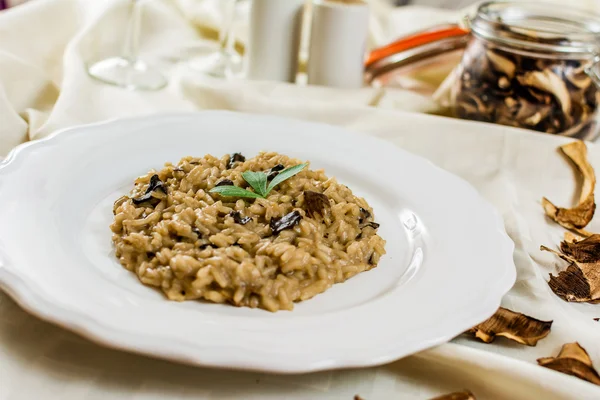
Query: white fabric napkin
(44, 46)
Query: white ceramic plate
(448, 259)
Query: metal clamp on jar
(533, 66)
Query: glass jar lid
(416, 47)
(545, 27)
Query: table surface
(450, 4)
(44, 87)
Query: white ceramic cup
(274, 39)
(338, 41)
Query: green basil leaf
(285, 174)
(234, 191)
(258, 181)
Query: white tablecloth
(44, 86)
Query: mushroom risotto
(263, 232)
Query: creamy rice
(193, 244)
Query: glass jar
(531, 65)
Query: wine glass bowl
(219, 64)
(127, 70)
(225, 62)
(126, 73)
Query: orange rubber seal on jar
(415, 40)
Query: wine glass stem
(226, 37)
(132, 36)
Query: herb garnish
(259, 182)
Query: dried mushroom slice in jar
(552, 96)
(519, 70)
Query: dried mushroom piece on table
(512, 325)
(580, 282)
(571, 237)
(464, 395)
(544, 94)
(587, 250)
(578, 217)
(572, 360)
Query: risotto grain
(309, 233)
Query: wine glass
(128, 70)
(226, 62)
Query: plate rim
(33, 302)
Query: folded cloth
(44, 86)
